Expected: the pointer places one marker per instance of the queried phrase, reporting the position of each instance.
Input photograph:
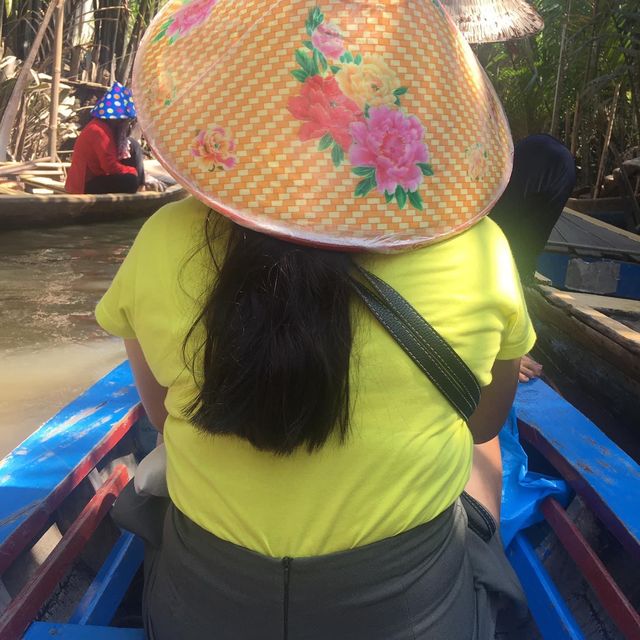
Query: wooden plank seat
(47, 631)
(55, 186)
(102, 598)
(607, 480)
(36, 478)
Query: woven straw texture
(494, 20)
(224, 96)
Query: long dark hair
(275, 363)
(120, 130)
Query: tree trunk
(576, 126)
(55, 81)
(9, 115)
(607, 140)
(145, 11)
(555, 117)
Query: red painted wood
(27, 603)
(609, 593)
(583, 488)
(33, 525)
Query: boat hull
(591, 352)
(615, 211)
(31, 211)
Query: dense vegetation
(579, 74)
(572, 78)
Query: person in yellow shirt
(316, 474)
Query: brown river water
(51, 348)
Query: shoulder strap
(421, 342)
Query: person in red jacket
(105, 159)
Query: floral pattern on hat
(191, 15)
(369, 82)
(389, 152)
(325, 110)
(328, 40)
(352, 105)
(477, 161)
(214, 149)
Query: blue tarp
(522, 490)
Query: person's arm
(495, 401)
(152, 393)
(106, 152)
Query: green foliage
(601, 50)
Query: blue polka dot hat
(116, 104)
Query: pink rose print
(353, 104)
(325, 110)
(214, 149)
(189, 16)
(392, 144)
(328, 40)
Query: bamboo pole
(55, 81)
(607, 140)
(576, 124)
(556, 97)
(555, 117)
(9, 115)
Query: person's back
(315, 467)
(404, 437)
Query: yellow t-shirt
(408, 455)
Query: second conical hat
(494, 20)
(363, 125)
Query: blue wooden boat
(81, 585)
(586, 310)
(590, 256)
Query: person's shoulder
(485, 231)
(484, 238)
(178, 225)
(96, 127)
(175, 218)
(474, 250)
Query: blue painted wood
(55, 631)
(552, 617)
(104, 595)
(34, 470)
(604, 475)
(554, 266)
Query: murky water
(50, 345)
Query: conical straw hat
(362, 125)
(494, 20)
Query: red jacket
(94, 154)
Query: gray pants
(444, 580)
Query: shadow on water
(50, 345)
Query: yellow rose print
(371, 83)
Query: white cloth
(151, 474)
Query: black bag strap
(421, 342)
